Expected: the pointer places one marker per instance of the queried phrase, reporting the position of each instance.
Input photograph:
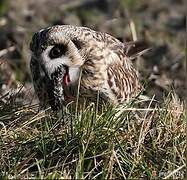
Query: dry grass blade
(7, 50)
(117, 160)
(175, 171)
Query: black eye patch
(57, 51)
(77, 43)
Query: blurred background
(160, 24)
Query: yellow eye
(57, 51)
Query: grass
(144, 139)
(128, 142)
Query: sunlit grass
(128, 142)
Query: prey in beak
(55, 87)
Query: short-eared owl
(63, 53)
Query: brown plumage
(60, 54)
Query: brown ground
(159, 23)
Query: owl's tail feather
(134, 49)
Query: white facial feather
(52, 64)
(74, 73)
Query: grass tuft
(128, 142)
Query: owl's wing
(39, 82)
(131, 49)
(134, 49)
(122, 76)
(123, 82)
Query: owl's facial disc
(54, 60)
(54, 53)
(59, 56)
(58, 51)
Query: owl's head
(55, 48)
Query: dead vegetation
(145, 139)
